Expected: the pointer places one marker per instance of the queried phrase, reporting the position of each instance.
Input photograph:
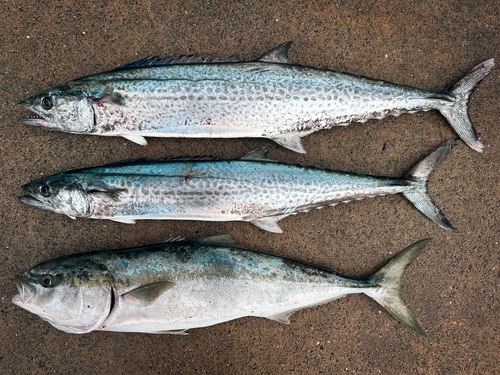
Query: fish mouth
(32, 201)
(38, 119)
(26, 292)
(35, 120)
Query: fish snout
(39, 118)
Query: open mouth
(32, 201)
(34, 120)
(37, 119)
(26, 292)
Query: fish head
(63, 194)
(73, 294)
(65, 109)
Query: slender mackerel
(252, 188)
(272, 98)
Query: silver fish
(252, 188)
(271, 98)
(173, 287)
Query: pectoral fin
(113, 98)
(147, 294)
(139, 139)
(106, 192)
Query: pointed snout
(27, 103)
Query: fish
(251, 188)
(272, 97)
(177, 286)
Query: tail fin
(419, 177)
(457, 114)
(386, 284)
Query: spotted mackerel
(272, 98)
(252, 188)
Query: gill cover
(73, 294)
(61, 193)
(65, 109)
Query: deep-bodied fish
(271, 98)
(252, 188)
(173, 287)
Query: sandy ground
(453, 286)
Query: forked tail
(384, 286)
(457, 114)
(418, 177)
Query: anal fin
(123, 220)
(269, 223)
(139, 139)
(290, 141)
(181, 332)
(281, 317)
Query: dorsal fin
(256, 155)
(144, 161)
(175, 239)
(224, 240)
(194, 158)
(183, 59)
(278, 55)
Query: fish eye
(47, 281)
(45, 190)
(47, 102)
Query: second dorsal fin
(278, 55)
(184, 59)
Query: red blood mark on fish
(189, 176)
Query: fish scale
(233, 190)
(251, 188)
(272, 98)
(255, 99)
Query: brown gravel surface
(453, 287)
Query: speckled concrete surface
(452, 287)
